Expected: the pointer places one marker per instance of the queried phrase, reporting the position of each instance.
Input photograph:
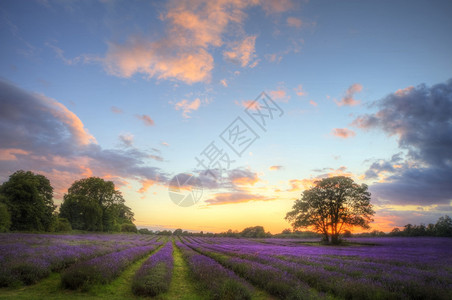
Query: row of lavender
(217, 281)
(408, 269)
(27, 258)
(154, 276)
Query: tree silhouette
(332, 206)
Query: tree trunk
(325, 238)
(335, 239)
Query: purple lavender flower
(154, 276)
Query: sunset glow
(136, 92)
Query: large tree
(332, 206)
(28, 197)
(94, 204)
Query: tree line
(442, 228)
(91, 204)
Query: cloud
(299, 90)
(276, 168)
(294, 22)
(242, 52)
(40, 134)
(343, 133)
(116, 110)
(421, 120)
(126, 139)
(313, 103)
(193, 28)
(69, 61)
(348, 99)
(12, 154)
(187, 107)
(251, 104)
(276, 6)
(279, 95)
(241, 177)
(145, 185)
(307, 183)
(146, 119)
(301, 184)
(224, 82)
(235, 198)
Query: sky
(251, 100)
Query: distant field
(119, 266)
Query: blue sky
(133, 91)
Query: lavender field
(45, 266)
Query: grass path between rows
(182, 285)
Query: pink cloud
(312, 102)
(72, 122)
(116, 110)
(343, 133)
(242, 52)
(12, 154)
(146, 119)
(187, 107)
(193, 28)
(279, 95)
(348, 99)
(276, 6)
(294, 22)
(299, 90)
(251, 104)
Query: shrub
(128, 228)
(63, 225)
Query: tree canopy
(93, 204)
(29, 201)
(332, 206)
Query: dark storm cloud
(40, 134)
(421, 118)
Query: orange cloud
(242, 52)
(224, 82)
(279, 95)
(234, 198)
(187, 107)
(251, 104)
(301, 184)
(348, 99)
(246, 180)
(193, 28)
(146, 119)
(307, 183)
(11, 153)
(403, 92)
(145, 185)
(67, 117)
(343, 133)
(294, 22)
(276, 168)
